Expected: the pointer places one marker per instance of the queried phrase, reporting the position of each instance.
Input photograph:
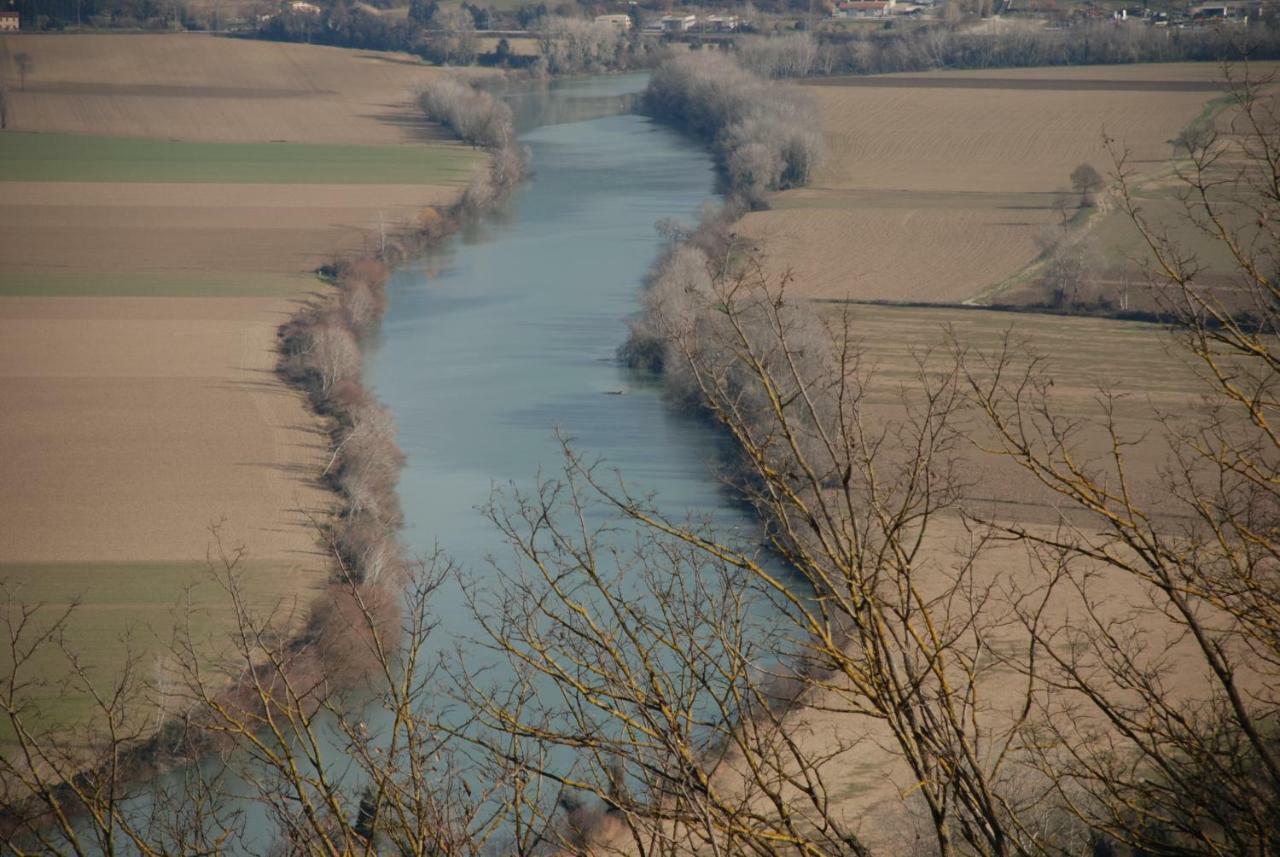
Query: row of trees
(875, 51)
(482, 120)
(576, 45)
(448, 35)
(765, 135)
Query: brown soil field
(938, 185)
(124, 226)
(136, 423)
(200, 87)
(1137, 362)
(938, 188)
(138, 318)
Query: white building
(721, 24)
(621, 23)
(678, 23)
(865, 9)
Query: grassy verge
(88, 158)
(132, 609)
(150, 284)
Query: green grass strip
(129, 610)
(176, 284)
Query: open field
(87, 158)
(199, 87)
(938, 185)
(1134, 360)
(153, 236)
(937, 189)
(204, 233)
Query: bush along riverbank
(718, 328)
(321, 351)
(765, 135)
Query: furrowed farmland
(164, 202)
(941, 186)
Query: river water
(495, 345)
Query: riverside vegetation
(1018, 713)
(765, 136)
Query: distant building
(864, 9)
(720, 24)
(10, 21)
(304, 7)
(621, 23)
(678, 23)
(1204, 13)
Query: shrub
(765, 135)
(472, 114)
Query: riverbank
(142, 282)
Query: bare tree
(1070, 270)
(456, 43)
(1159, 765)
(1086, 181)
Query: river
(504, 340)
(493, 345)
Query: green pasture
(122, 613)
(150, 284)
(89, 158)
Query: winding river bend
(493, 345)
(507, 336)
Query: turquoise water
(495, 346)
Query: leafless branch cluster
(577, 46)
(765, 134)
